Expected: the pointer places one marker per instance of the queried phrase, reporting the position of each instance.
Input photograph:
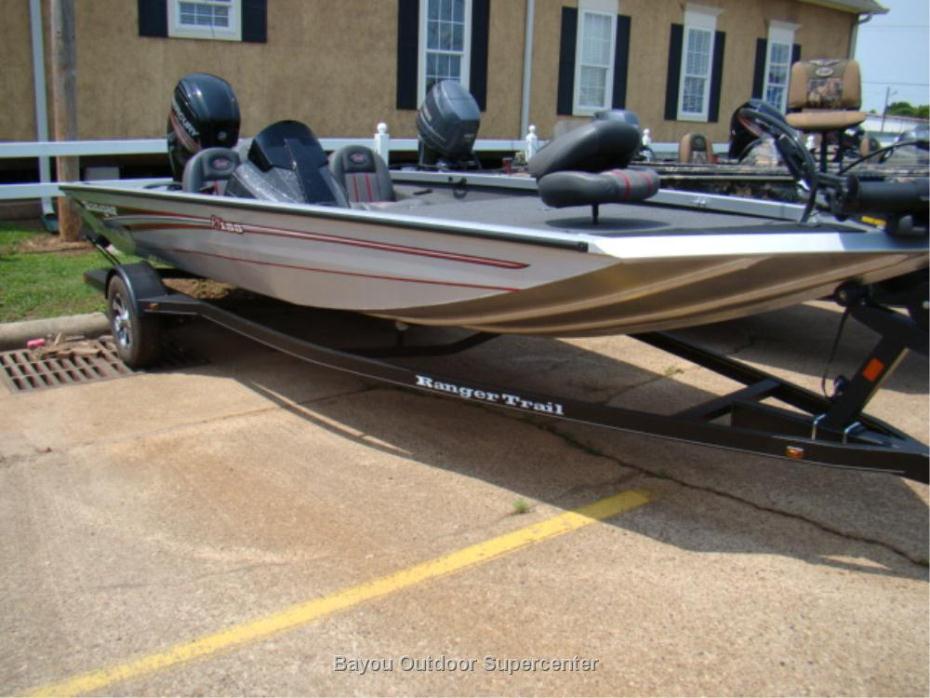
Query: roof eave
(858, 7)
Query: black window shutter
(795, 53)
(566, 90)
(408, 28)
(674, 72)
(478, 71)
(621, 62)
(716, 77)
(153, 18)
(255, 21)
(758, 75)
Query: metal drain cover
(24, 370)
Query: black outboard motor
(644, 152)
(447, 123)
(624, 115)
(287, 163)
(742, 138)
(204, 114)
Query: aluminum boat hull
(420, 265)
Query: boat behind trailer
(818, 430)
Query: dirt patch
(204, 289)
(40, 244)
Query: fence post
(532, 143)
(64, 63)
(383, 143)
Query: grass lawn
(39, 281)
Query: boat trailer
(826, 431)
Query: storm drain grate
(24, 370)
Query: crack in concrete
(612, 483)
(732, 497)
(541, 424)
(680, 370)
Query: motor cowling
(204, 114)
(624, 115)
(447, 123)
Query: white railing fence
(381, 142)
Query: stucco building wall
(334, 65)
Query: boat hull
(492, 278)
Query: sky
(893, 51)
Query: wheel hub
(122, 323)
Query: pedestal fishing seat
(824, 96)
(587, 167)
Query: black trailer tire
(137, 337)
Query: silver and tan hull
(496, 278)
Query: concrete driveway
(254, 525)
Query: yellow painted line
(310, 611)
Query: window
(205, 19)
(778, 63)
(445, 42)
(696, 62)
(594, 56)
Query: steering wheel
(797, 158)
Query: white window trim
(183, 31)
(779, 33)
(421, 40)
(609, 8)
(697, 17)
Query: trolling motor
(902, 206)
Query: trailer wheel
(137, 337)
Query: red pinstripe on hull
(400, 279)
(324, 237)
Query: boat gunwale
(432, 225)
(583, 242)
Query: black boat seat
(208, 171)
(562, 189)
(362, 174)
(595, 147)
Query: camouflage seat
(824, 95)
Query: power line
(894, 82)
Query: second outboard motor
(741, 138)
(204, 114)
(287, 163)
(447, 124)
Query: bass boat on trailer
(586, 246)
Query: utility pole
(888, 93)
(64, 108)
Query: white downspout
(38, 87)
(854, 34)
(527, 67)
